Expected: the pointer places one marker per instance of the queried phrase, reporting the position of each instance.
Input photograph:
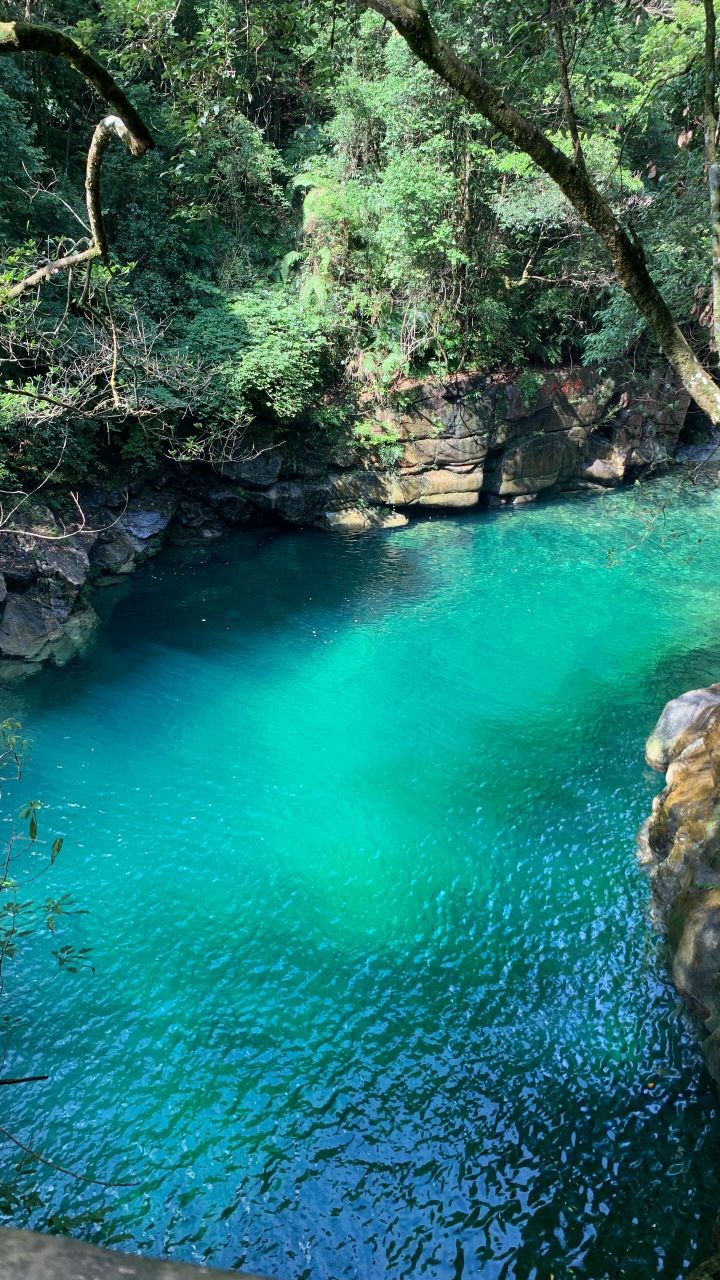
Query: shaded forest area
(323, 218)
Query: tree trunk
(411, 20)
(711, 161)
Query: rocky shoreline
(452, 445)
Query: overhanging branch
(29, 37)
(125, 124)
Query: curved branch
(109, 127)
(28, 37)
(51, 269)
(126, 124)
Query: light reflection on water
(376, 994)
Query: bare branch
(51, 269)
(125, 124)
(80, 1177)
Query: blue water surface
(375, 990)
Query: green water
(375, 991)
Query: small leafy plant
(381, 437)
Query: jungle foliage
(322, 218)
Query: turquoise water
(375, 991)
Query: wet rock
(42, 624)
(24, 630)
(16, 671)
(608, 470)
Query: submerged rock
(709, 1270)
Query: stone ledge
(25, 1255)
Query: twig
(80, 1177)
(22, 1079)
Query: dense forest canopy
(322, 217)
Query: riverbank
(457, 444)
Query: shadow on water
(256, 585)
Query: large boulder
(145, 521)
(439, 487)
(681, 722)
(44, 624)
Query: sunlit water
(375, 990)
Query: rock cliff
(453, 444)
(679, 847)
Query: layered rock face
(679, 847)
(454, 444)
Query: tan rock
(361, 520)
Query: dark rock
(19, 566)
(257, 473)
(66, 560)
(114, 553)
(193, 514)
(24, 628)
(145, 519)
